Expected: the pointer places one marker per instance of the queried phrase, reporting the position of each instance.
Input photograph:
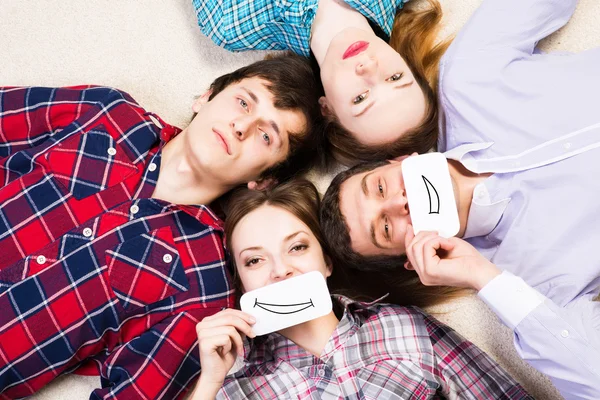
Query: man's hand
(220, 338)
(447, 262)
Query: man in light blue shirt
(521, 131)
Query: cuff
(510, 298)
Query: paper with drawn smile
(287, 303)
(430, 194)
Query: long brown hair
(414, 37)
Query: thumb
(446, 244)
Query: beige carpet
(153, 50)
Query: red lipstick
(355, 48)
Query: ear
(200, 101)
(262, 184)
(325, 108)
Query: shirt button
(87, 232)
(520, 289)
(564, 333)
(134, 209)
(40, 260)
(152, 167)
(112, 151)
(481, 194)
(321, 373)
(567, 145)
(167, 258)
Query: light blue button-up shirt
(534, 121)
(239, 25)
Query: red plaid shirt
(378, 351)
(92, 269)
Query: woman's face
(270, 245)
(370, 88)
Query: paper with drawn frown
(287, 303)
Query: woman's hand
(447, 262)
(220, 339)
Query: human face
(370, 88)
(239, 133)
(376, 210)
(267, 253)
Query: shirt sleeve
(512, 24)
(161, 363)
(239, 25)
(563, 343)
(464, 371)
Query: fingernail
(252, 320)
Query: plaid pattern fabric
(277, 24)
(94, 273)
(378, 351)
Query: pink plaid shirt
(378, 351)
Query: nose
(281, 271)
(397, 204)
(241, 126)
(366, 66)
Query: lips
(355, 48)
(222, 140)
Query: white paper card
(287, 303)
(430, 194)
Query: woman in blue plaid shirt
(379, 93)
(358, 351)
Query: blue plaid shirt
(239, 25)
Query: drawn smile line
(306, 305)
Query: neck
(182, 182)
(333, 17)
(313, 335)
(464, 182)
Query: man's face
(376, 210)
(239, 133)
(370, 88)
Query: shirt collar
(484, 214)
(167, 131)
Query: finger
(232, 311)
(408, 266)
(418, 248)
(409, 235)
(212, 344)
(226, 320)
(230, 331)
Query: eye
(243, 103)
(360, 98)
(266, 138)
(252, 261)
(298, 247)
(395, 77)
(380, 187)
(386, 229)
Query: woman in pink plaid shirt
(359, 350)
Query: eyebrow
(363, 184)
(249, 248)
(365, 190)
(374, 237)
(364, 110)
(252, 95)
(291, 236)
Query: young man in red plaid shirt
(109, 256)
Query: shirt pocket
(146, 269)
(90, 162)
(391, 379)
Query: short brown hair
(404, 286)
(414, 38)
(292, 82)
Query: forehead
(252, 231)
